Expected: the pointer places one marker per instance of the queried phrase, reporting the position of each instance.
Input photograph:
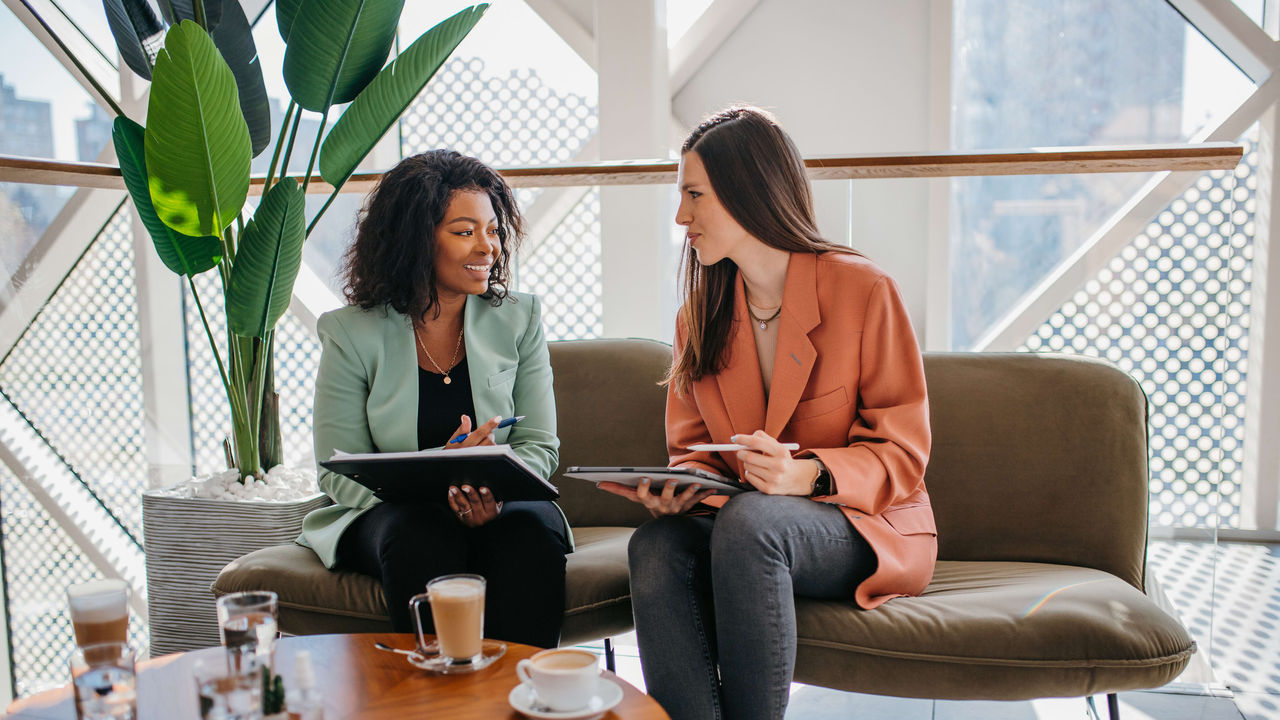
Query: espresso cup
(563, 680)
(457, 611)
(99, 611)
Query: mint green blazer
(367, 396)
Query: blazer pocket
(912, 520)
(503, 377)
(821, 405)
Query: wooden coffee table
(357, 680)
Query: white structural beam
(1234, 33)
(635, 111)
(1058, 286)
(704, 38)
(1260, 485)
(55, 33)
(937, 318)
(580, 38)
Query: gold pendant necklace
(452, 361)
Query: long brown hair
(392, 261)
(758, 175)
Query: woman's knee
(751, 523)
(665, 542)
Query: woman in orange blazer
(783, 337)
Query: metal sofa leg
(609, 662)
(1113, 706)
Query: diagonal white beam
(102, 71)
(704, 38)
(1058, 287)
(580, 38)
(1234, 33)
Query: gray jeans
(714, 600)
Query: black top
(441, 406)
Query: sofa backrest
(1038, 458)
(609, 411)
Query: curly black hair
(392, 261)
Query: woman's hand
(482, 435)
(472, 507)
(665, 503)
(771, 469)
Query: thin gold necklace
(764, 322)
(452, 361)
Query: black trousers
(521, 555)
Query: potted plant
(187, 172)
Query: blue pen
(505, 423)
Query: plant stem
(332, 196)
(288, 151)
(198, 7)
(236, 408)
(315, 151)
(275, 157)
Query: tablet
(658, 476)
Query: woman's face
(710, 230)
(467, 244)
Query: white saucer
(608, 694)
(490, 650)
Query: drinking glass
(104, 682)
(99, 611)
(247, 625)
(228, 689)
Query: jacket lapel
(740, 385)
(795, 356)
(402, 363)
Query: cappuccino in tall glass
(99, 611)
(457, 610)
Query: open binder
(424, 476)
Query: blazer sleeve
(340, 420)
(534, 439)
(685, 425)
(889, 441)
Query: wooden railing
(1036, 161)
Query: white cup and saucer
(563, 684)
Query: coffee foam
(456, 588)
(98, 600)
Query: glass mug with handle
(99, 611)
(457, 612)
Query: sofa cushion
(995, 631)
(314, 599)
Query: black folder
(425, 476)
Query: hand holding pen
(464, 436)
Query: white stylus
(730, 447)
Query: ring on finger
(464, 512)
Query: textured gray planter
(188, 542)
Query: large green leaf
(180, 253)
(175, 11)
(234, 38)
(380, 104)
(197, 143)
(336, 47)
(286, 11)
(267, 261)
(132, 23)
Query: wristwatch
(822, 483)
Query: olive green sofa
(1038, 477)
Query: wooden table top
(357, 681)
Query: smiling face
(467, 244)
(710, 229)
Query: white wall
(847, 77)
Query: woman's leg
(521, 554)
(766, 549)
(404, 546)
(675, 625)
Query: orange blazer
(848, 386)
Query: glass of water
(247, 625)
(104, 681)
(228, 690)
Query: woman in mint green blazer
(432, 346)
